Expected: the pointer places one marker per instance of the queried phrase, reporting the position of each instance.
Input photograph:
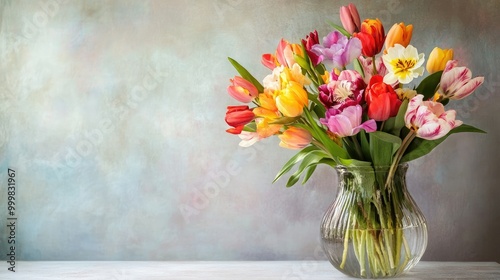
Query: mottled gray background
(112, 114)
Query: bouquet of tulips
(347, 100)
(350, 97)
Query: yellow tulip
(438, 58)
(291, 100)
(399, 34)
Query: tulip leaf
(246, 75)
(382, 147)
(420, 147)
(354, 162)
(365, 145)
(395, 124)
(312, 168)
(303, 63)
(319, 134)
(340, 29)
(428, 86)
(311, 159)
(285, 120)
(294, 160)
(359, 68)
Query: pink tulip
(456, 82)
(242, 90)
(349, 17)
(347, 122)
(429, 119)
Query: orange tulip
(399, 34)
(295, 138)
(438, 59)
(372, 37)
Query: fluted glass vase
(374, 228)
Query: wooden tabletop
(234, 270)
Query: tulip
(248, 138)
(269, 60)
(428, 119)
(403, 64)
(343, 90)
(284, 55)
(368, 69)
(295, 138)
(438, 59)
(456, 82)
(292, 99)
(349, 17)
(372, 37)
(399, 34)
(381, 99)
(265, 128)
(338, 49)
(308, 43)
(238, 117)
(347, 122)
(242, 90)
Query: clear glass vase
(374, 228)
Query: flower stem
(399, 154)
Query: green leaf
(400, 118)
(312, 158)
(284, 120)
(303, 63)
(382, 147)
(294, 160)
(246, 75)
(358, 67)
(340, 29)
(354, 162)
(429, 85)
(310, 170)
(420, 147)
(365, 145)
(320, 134)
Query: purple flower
(347, 122)
(338, 48)
(343, 90)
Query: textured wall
(112, 116)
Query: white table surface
(234, 270)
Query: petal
(368, 126)
(340, 125)
(431, 131)
(468, 88)
(353, 113)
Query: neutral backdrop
(112, 115)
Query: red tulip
(381, 99)
(372, 37)
(308, 42)
(238, 117)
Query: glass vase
(373, 229)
